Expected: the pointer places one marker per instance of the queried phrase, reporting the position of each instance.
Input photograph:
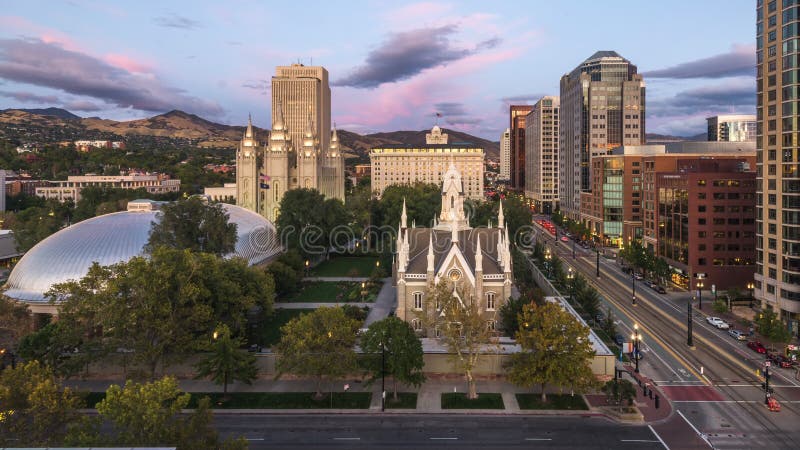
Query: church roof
(418, 239)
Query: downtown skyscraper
(602, 107)
(777, 278)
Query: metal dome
(116, 237)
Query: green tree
(150, 415)
(556, 350)
(192, 224)
(511, 309)
(319, 345)
(462, 326)
(161, 308)
(35, 410)
(307, 221)
(423, 203)
(395, 339)
(32, 225)
(16, 321)
(619, 392)
(286, 278)
(226, 362)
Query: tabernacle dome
(116, 237)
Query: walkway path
(336, 279)
(384, 304)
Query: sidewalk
(644, 403)
(336, 279)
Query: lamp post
(689, 323)
(766, 382)
(636, 337)
(383, 374)
(306, 267)
(598, 261)
(633, 286)
(570, 276)
(547, 257)
(363, 290)
(573, 247)
(751, 286)
(699, 285)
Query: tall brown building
(602, 107)
(777, 278)
(517, 115)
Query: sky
(392, 64)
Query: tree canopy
(192, 224)
(307, 222)
(392, 347)
(555, 350)
(319, 345)
(226, 362)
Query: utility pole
(689, 323)
(598, 262)
(633, 286)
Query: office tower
(2, 190)
(407, 164)
(777, 278)
(505, 155)
(303, 91)
(541, 154)
(602, 107)
(732, 128)
(517, 115)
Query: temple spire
(479, 257)
(404, 216)
(248, 134)
(430, 253)
(500, 217)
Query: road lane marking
(443, 438)
(658, 437)
(347, 439)
(702, 436)
(538, 439)
(255, 439)
(638, 440)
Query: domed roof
(117, 237)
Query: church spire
(248, 134)
(500, 217)
(479, 257)
(277, 122)
(430, 254)
(404, 216)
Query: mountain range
(24, 123)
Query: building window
(490, 305)
(490, 325)
(418, 301)
(416, 324)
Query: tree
(510, 310)
(15, 321)
(150, 415)
(661, 270)
(423, 203)
(307, 221)
(589, 300)
(556, 350)
(32, 225)
(163, 307)
(319, 345)
(35, 410)
(462, 326)
(226, 363)
(286, 278)
(395, 339)
(191, 224)
(619, 391)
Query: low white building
(71, 189)
(226, 193)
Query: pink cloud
(127, 63)
(23, 26)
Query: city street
(434, 431)
(716, 384)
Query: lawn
(346, 266)
(554, 401)
(268, 332)
(405, 400)
(458, 400)
(271, 400)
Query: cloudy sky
(392, 64)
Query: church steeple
(404, 216)
(248, 133)
(500, 217)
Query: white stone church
(478, 259)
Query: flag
(264, 186)
(264, 177)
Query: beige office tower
(777, 278)
(541, 154)
(303, 90)
(602, 107)
(505, 155)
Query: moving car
(660, 289)
(717, 322)
(638, 276)
(779, 360)
(757, 347)
(564, 239)
(738, 335)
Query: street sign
(766, 363)
(713, 288)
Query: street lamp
(751, 286)
(306, 267)
(573, 247)
(689, 323)
(699, 285)
(363, 290)
(570, 276)
(636, 337)
(547, 257)
(633, 286)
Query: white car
(717, 322)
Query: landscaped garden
(346, 266)
(459, 400)
(271, 400)
(554, 401)
(268, 332)
(334, 292)
(405, 400)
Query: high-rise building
(2, 190)
(777, 278)
(407, 164)
(602, 107)
(517, 115)
(302, 91)
(301, 151)
(541, 154)
(732, 128)
(505, 155)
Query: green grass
(346, 266)
(554, 401)
(285, 400)
(322, 292)
(405, 400)
(458, 400)
(268, 332)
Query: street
(433, 432)
(715, 385)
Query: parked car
(738, 335)
(717, 322)
(639, 276)
(564, 239)
(779, 360)
(660, 289)
(757, 347)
